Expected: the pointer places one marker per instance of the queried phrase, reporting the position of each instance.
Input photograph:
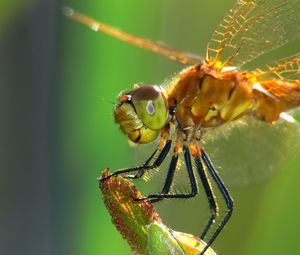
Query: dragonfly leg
(140, 170)
(164, 194)
(227, 197)
(209, 193)
(169, 178)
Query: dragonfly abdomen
(273, 97)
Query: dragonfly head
(142, 113)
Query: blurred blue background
(58, 80)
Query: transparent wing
(281, 78)
(163, 50)
(252, 28)
(248, 150)
(286, 69)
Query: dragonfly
(211, 92)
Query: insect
(210, 93)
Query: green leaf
(161, 241)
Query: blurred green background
(58, 82)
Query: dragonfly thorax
(204, 97)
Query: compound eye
(150, 106)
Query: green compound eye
(150, 106)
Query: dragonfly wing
(252, 28)
(286, 69)
(249, 151)
(281, 79)
(159, 48)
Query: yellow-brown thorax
(206, 97)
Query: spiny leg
(194, 189)
(169, 178)
(209, 193)
(227, 197)
(141, 169)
